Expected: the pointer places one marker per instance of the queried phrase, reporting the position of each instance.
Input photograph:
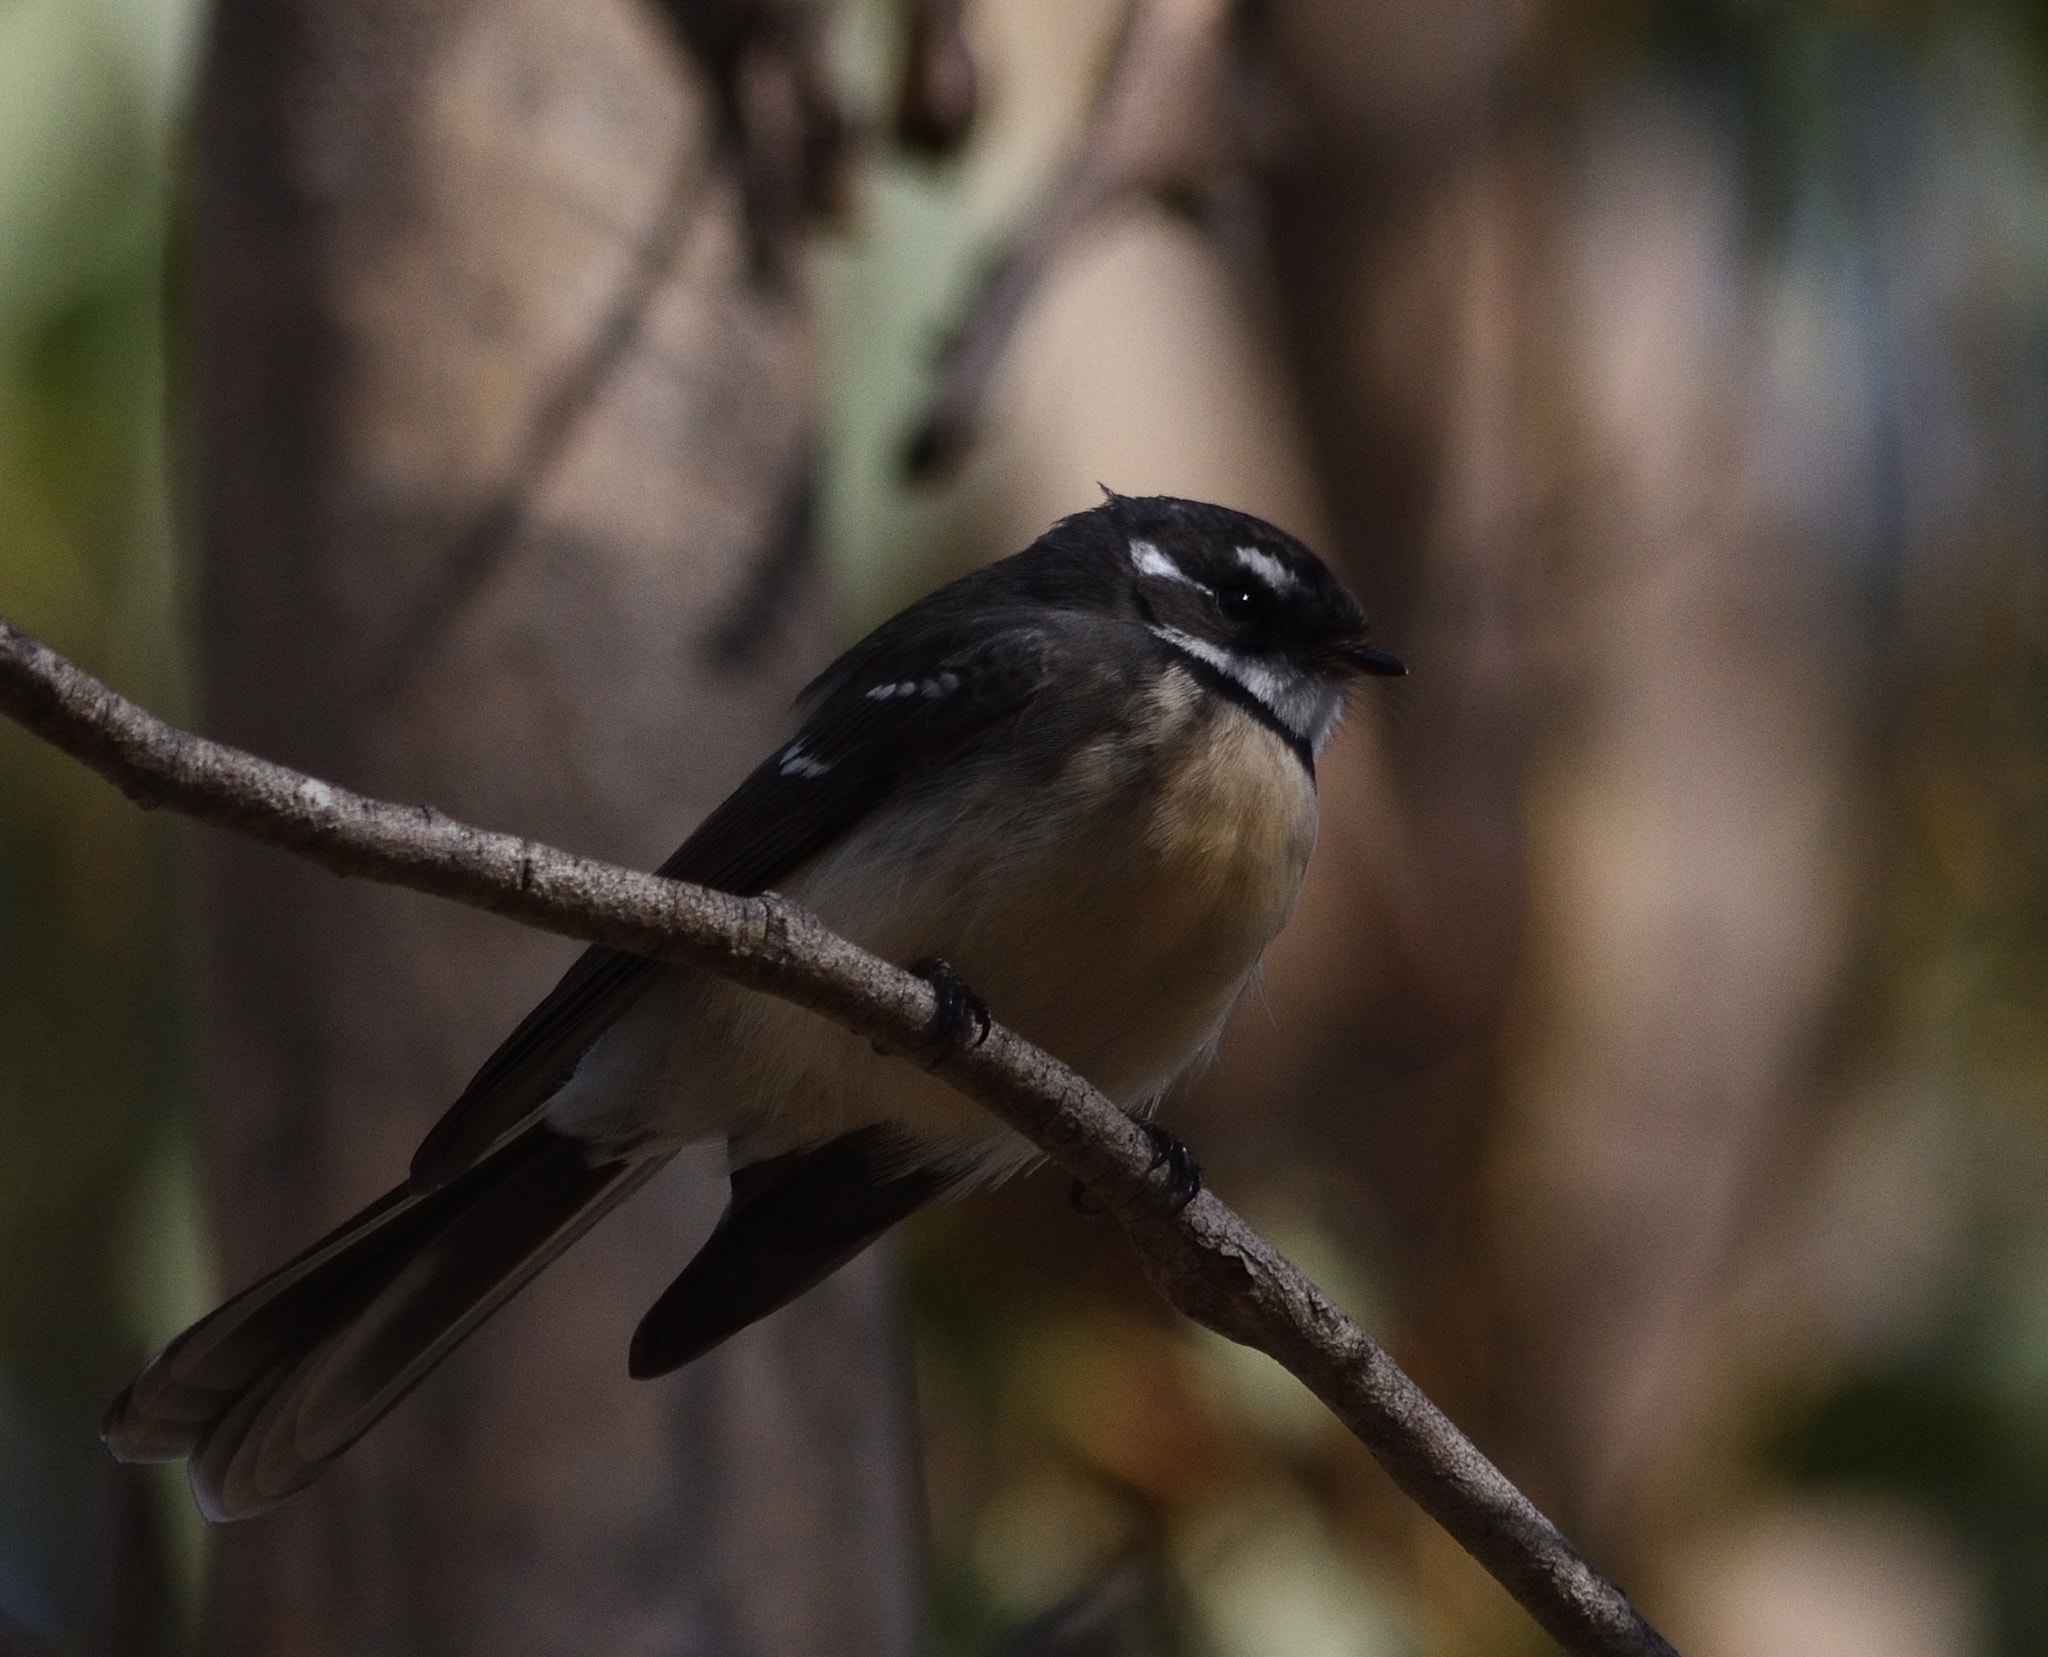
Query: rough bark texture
(500, 430)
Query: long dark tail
(263, 1393)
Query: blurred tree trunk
(504, 440)
(1537, 380)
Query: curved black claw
(1170, 1151)
(956, 1011)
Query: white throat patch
(1307, 705)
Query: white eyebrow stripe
(1268, 569)
(1149, 560)
(1306, 705)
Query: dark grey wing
(792, 1222)
(900, 704)
(911, 710)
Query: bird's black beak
(1362, 657)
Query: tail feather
(266, 1391)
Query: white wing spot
(940, 684)
(1147, 559)
(1268, 569)
(901, 687)
(797, 763)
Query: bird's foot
(960, 1018)
(1170, 1151)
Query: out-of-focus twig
(780, 124)
(741, 633)
(1090, 1621)
(937, 90)
(1164, 125)
(1206, 1260)
(482, 548)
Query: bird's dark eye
(1238, 603)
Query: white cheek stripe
(1305, 704)
(1268, 569)
(1256, 677)
(1147, 559)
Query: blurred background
(1659, 1058)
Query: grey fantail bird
(1080, 781)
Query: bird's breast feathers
(1113, 921)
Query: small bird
(1075, 787)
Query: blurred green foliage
(1847, 105)
(1955, 1417)
(92, 997)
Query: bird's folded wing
(898, 708)
(793, 1221)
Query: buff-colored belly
(1115, 929)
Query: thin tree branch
(1206, 1260)
(939, 88)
